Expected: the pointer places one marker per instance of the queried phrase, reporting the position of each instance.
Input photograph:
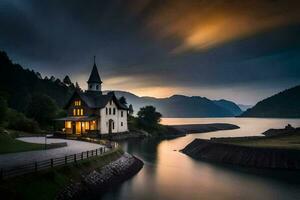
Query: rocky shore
(279, 151)
(203, 128)
(92, 184)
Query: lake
(169, 174)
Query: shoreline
(175, 131)
(279, 150)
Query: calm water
(169, 174)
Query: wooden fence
(50, 163)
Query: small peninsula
(278, 149)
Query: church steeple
(94, 82)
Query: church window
(114, 111)
(77, 103)
(121, 123)
(121, 113)
(106, 111)
(67, 124)
(110, 111)
(113, 125)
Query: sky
(242, 51)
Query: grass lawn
(290, 141)
(10, 145)
(45, 185)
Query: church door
(73, 128)
(110, 126)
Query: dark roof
(95, 99)
(94, 77)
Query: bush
(18, 121)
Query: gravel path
(73, 147)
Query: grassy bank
(8, 144)
(45, 185)
(289, 141)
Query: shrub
(18, 121)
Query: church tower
(94, 82)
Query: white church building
(94, 112)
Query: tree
(42, 108)
(130, 112)
(67, 80)
(52, 78)
(3, 109)
(123, 100)
(148, 118)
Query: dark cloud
(196, 47)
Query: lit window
(78, 112)
(87, 125)
(77, 103)
(74, 112)
(81, 111)
(93, 125)
(67, 124)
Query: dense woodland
(29, 101)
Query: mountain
(284, 104)
(18, 85)
(184, 106)
(244, 107)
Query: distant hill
(244, 107)
(17, 85)
(184, 106)
(283, 104)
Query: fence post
(1, 174)
(66, 160)
(51, 161)
(35, 166)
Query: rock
(95, 182)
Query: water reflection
(169, 174)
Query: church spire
(94, 82)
